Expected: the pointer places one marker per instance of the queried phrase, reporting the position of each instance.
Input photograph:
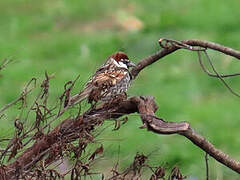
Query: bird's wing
(100, 83)
(108, 78)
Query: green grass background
(71, 37)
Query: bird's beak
(131, 64)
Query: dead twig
(26, 90)
(5, 63)
(207, 168)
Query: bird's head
(121, 60)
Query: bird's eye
(125, 61)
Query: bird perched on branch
(111, 79)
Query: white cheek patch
(120, 64)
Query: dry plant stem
(11, 104)
(207, 167)
(4, 63)
(66, 132)
(27, 89)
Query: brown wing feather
(103, 82)
(98, 85)
(108, 78)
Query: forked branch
(170, 46)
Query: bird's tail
(80, 96)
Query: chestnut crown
(122, 60)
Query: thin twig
(25, 92)
(219, 76)
(216, 73)
(213, 75)
(207, 168)
(5, 63)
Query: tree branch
(209, 148)
(147, 106)
(172, 47)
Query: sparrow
(111, 79)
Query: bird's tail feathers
(80, 96)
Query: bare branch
(151, 59)
(170, 46)
(146, 106)
(218, 47)
(173, 46)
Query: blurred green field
(71, 37)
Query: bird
(111, 79)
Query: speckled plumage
(111, 79)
